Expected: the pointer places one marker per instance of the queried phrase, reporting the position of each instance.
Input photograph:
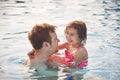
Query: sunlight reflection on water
(103, 22)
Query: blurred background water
(102, 18)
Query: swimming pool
(103, 22)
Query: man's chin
(55, 51)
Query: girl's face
(72, 36)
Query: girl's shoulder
(81, 54)
(82, 49)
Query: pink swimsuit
(67, 59)
(71, 59)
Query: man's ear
(31, 54)
(46, 44)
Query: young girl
(75, 54)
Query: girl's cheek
(67, 37)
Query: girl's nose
(68, 36)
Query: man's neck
(41, 55)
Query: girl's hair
(81, 28)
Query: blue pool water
(102, 18)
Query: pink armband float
(69, 56)
(67, 59)
(83, 64)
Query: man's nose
(58, 40)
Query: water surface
(102, 18)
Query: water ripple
(103, 23)
(23, 32)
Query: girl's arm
(81, 55)
(62, 46)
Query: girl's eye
(67, 33)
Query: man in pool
(45, 42)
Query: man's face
(54, 43)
